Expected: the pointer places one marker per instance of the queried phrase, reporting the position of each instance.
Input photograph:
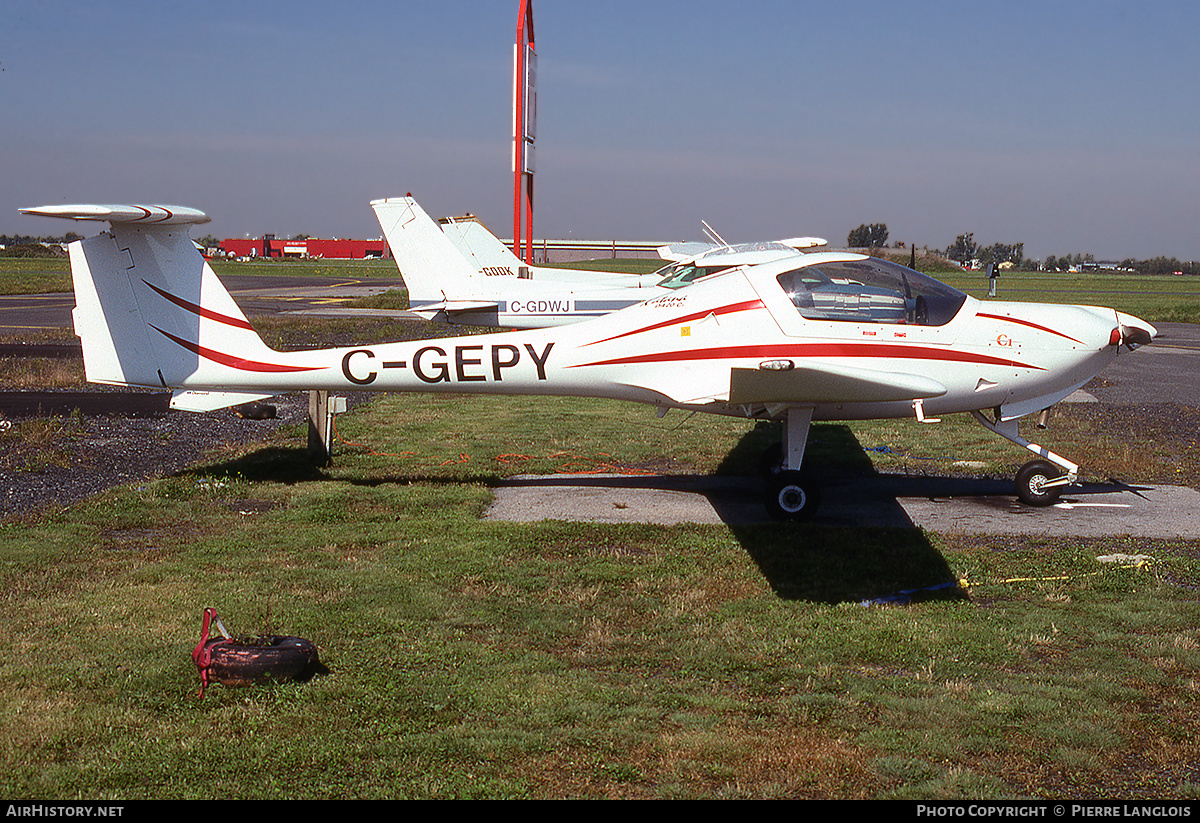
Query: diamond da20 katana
(816, 336)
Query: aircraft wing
(801, 385)
(826, 383)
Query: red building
(269, 246)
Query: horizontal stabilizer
(456, 306)
(683, 251)
(202, 401)
(828, 384)
(158, 215)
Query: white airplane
(460, 273)
(487, 255)
(821, 336)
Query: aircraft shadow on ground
(841, 556)
(862, 546)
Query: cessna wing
(689, 251)
(796, 338)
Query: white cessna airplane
(821, 336)
(460, 273)
(487, 255)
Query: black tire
(1031, 483)
(242, 662)
(792, 498)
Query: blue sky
(1068, 125)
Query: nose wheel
(1040, 482)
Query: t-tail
(151, 312)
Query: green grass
(471, 658)
(41, 275)
(1162, 299)
(624, 265)
(349, 269)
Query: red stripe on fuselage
(1030, 325)
(233, 361)
(201, 311)
(801, 350)
(748, 305)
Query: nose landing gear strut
(1040, 481)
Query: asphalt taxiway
(954, 505)
(256, 295)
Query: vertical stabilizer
(149, 309)
(482, 248)
(433, 269)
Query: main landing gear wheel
(792, 497)
(1032, 483)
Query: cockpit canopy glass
(870, 291)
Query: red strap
(202, 654)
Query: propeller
(1134, 336)
(1131, 336)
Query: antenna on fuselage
(712, 234)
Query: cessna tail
(459, 273)
(794, 337)
(487, 255)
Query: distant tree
(873, 236)
(964, 250)
(32, 250)
(1161, 265)
(1001, 253)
